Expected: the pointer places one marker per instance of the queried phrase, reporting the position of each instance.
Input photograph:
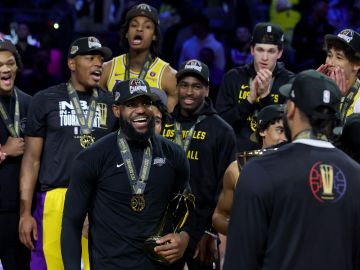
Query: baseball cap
(6, 45)
(266, 115)
(267, 33)
(160, 94)
(132, 88)
(347, 36)
(194, 67)
(311, 90)
(85, 45)
(143, 10)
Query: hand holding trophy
(172, 221)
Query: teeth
(139, 119)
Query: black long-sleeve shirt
(100, 186)
(296, 208)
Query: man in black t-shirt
(13, 110)
(298, 207)
(125, 182)
(62, 120)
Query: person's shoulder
(158, 60)
(23, 96)
(220, 123)
(282, 71)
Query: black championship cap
(269, 113)
(311, 90)
(87, 45)
(349, 37)
(132, 88)
(143, 10)
(267, 33)
(266, 115)
(194, 67)
(6, 45)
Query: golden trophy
(172, 221)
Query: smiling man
(125, 181)
(13, 110)
(141, 35)
(247, 89)
(209, 143)
(62, 120)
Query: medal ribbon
(144, 69)
(137, 182)
(348, 100)
(13, 128)
(178, 133)
(85, 124)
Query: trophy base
(149, 245)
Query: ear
(116, 110)
(207, 91)
(262, 133)
(126, 35)
(252, 50)
(280, 54)
(71, 64)
(154, 38)
(290, 109)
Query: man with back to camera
(14, 105)
(209, 143)
(62, 120)
(124, 181)
(297, 207)
(269, 132)
(141, 35)
(247, 89)
(342, 64)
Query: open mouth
(137, 40)
(140, 122)
(188, 101)
(6, 80)
(95, 75)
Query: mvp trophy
(172, 221)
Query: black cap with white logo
(194, 67)
(267, 33)
(347, 36)
(312, 90)
(88, 45)
(132, 88)
(143, 10)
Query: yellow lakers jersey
(153, 76)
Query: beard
(131, 132)
(287, 130)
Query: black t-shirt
(296, 208)
(100, 186)
(10, 167)
(52, 117)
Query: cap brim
(194, 73)
(152, 96)
(285, 90)
(104, 51)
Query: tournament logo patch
(152, 74)
(137, 86)
(193, 64)
(74, 49)
(347, 35)
(144, 7)
(327, 182)
(93, 42)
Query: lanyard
(309, 134)
(13, 128)
(178, 133)
(348, 100)
(85, 124)
(144, 69)
(137, 182)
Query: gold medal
(137, 203)
(86, 140)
